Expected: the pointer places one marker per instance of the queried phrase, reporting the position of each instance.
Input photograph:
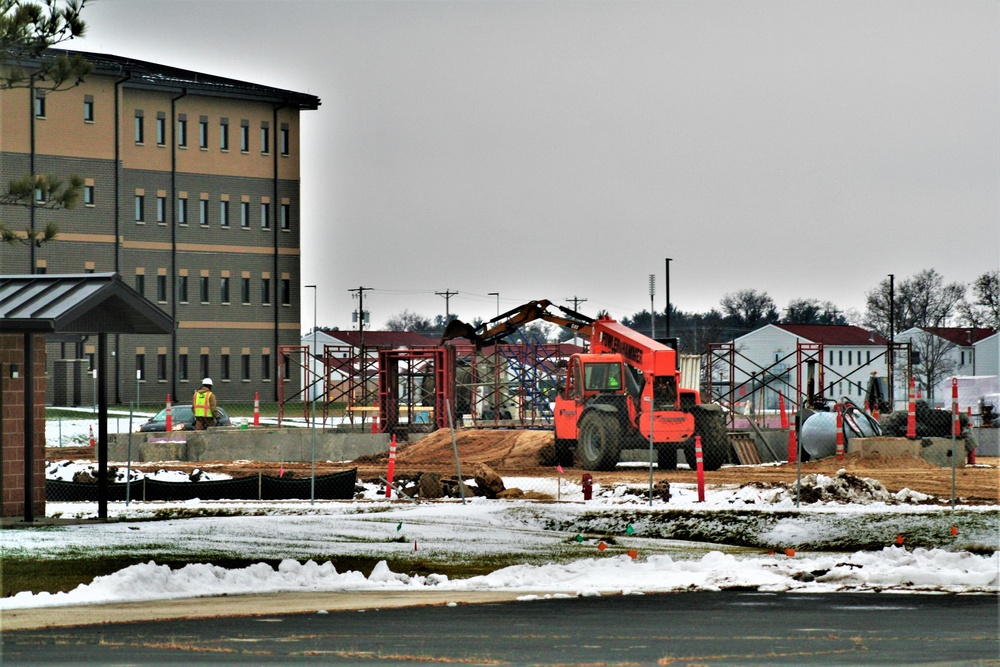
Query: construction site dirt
(529, 453)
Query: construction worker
(203, 404)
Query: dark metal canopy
(77, 303)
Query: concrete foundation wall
(249, 445)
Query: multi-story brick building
(192, 194)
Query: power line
(447, 294)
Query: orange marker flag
(601, 546)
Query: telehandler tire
(599, 444)
(710, 424)
(666, 456)
(564, 453)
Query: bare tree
(812, 311)
(936, 362)
(407, 321)
(923, 300)
(983, 311)
(749, 309)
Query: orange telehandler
(624, 389)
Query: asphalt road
(667, 629)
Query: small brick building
(33, 307)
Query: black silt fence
(337, 486)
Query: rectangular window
(245, 367)
(39, 104)
(204, 366)
(288, 368)
(245, 136)
(88, 195)
(161, 288)
(224, 367)
(140, 212)
(161, 367)
(245, 214)
(182, 210)
(140, 366)
(840, 357)
(265, 138)
(224, 290)
(265, 367)
(203, 211)
(161, 209)
(284, 140)
(182, 131)
(286, 217)
(182, 289)
(265, 291)
(286, 292)
(224, 134)
(161, 131)
(139, 127)
(849, 355)
(204, 289)
(265, 216)
(203, 132)
(245, 291)
(224, 212)
(140, 283)
(88, 108)
(182, 367)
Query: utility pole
(360, 296)
(576, 301)
(447, 294)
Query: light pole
(312, 404)
(667, 334)
(652, 308)
(497, 295)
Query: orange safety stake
(840, 432)
(170, 416)
(601, 546)
(91, 435)
(633, 554)
(899, 539)
(392, 467)
(911, 417)
(256, 408)
(954, 530)
(790, 553)
(699, 459)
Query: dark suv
(182, 417)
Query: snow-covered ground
(618, 542)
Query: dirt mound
(501, 449)
(855, 462)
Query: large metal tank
(819, 432)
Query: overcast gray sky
(566, 148)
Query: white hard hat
(207, 381)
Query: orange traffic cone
(91, 435)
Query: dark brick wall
(12, 411)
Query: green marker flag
(578, 538)
(629, 530)
(399, 526)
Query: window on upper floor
(203, 212)
(182, 131)
(161, 367)
(161, 209)
(245, 214)
(265, 291)
(245, 367)
(224, 212)
(224, 289)
(182, 210)
(39, 104)
(203, 133)
(265, 138)
(245, 291)
(224, 134)
(265, 215)
(286, 292)
(140, 208)
(161, 288)
(88, 195)
(140, 283)
(140, 130)
(204, 289)
(161, 130)
(182, 367)
(265, 367)
(224, 367)
(286, 217)
(88, 108)
(244, 136)
(182, 289)
(284, 139)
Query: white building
(850, 356)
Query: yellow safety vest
(202, 407)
